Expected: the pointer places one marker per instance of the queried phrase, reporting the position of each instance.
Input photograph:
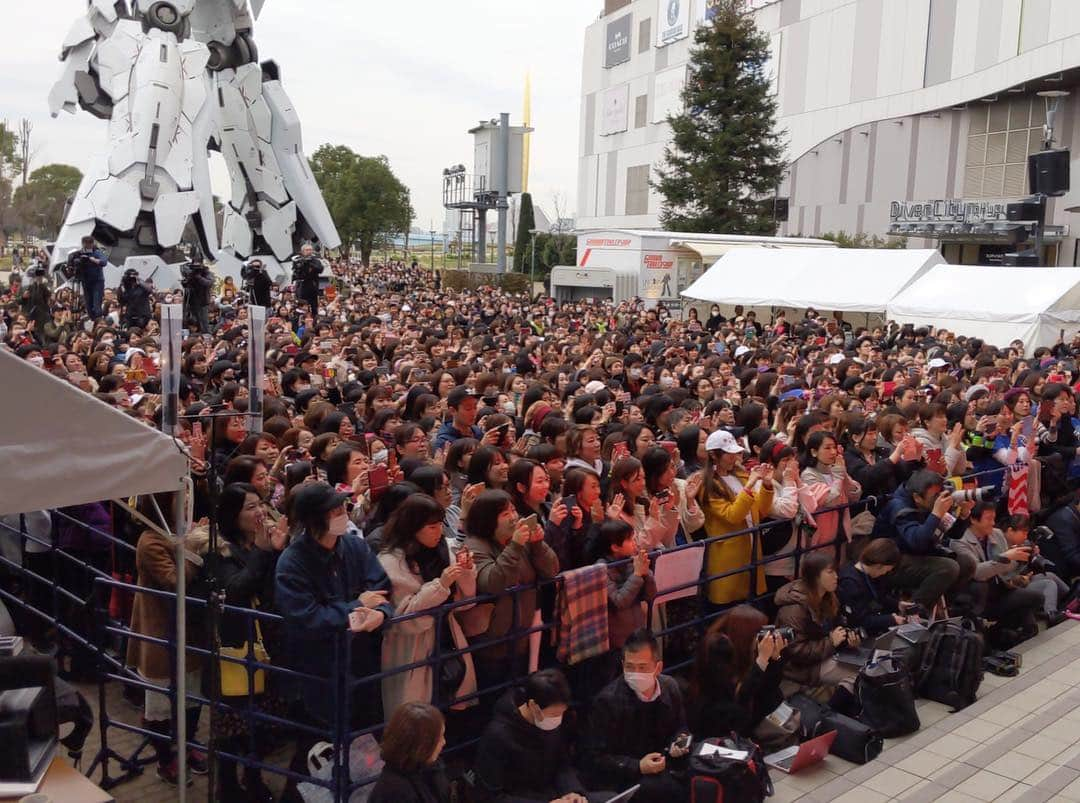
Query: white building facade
(911, 117)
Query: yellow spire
(527, 121)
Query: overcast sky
(404, 78)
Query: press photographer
(256, 283)
(87, 266)
(307, 268)
(197, 282)
(36, 296)
(137, 299)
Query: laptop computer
(624, 796)
(799, 757)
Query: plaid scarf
(583, 614)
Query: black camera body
(1037, 564)
(786, 633)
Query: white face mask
(38, 360)
(338, 525)
(509, 408)
(548, 723)
(635, 373)
(379, 456)
(666, 381)
(640, 682)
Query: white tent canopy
(845, 279)
(59, 446)
(996, 304)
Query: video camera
(306, 269)
(250, 270)
(76, 265)
(130, 278)
(188, 270)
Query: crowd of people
(423, 448)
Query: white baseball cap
(836, 359)
(723, 441)
(937, 362)
(741, 350)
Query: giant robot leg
(138, 197)
(276, 204)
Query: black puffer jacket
(518, 762)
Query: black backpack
(855, 741)
(717, 779)
(887, 698)
(952, 664)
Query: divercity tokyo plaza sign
(948, 211)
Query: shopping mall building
(906, 117)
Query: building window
(637, 190)
(644, 36)
(1000, 137)
(641, 111)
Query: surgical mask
(379, 456)
(38, 360)
(640, 682)
(666, 381)
(548, 723)
(338, 525)
(509, 408)
(635, 373)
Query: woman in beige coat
(424, 574)
(153, 616)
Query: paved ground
(1019, 742)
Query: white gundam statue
(177, 79)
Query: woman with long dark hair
(733, 500)
(827, 485)
(507, 552)
(489, 466)
(243, 568)
(736, 677)
(811, 608)
(424, 574)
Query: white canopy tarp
(996, 304)
(59, 446)
(845, 279)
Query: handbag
(234, 676)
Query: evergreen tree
(725, 156)
(526, 223)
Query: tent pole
(181, 644)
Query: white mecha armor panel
(186, 81)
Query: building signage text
(618, 41)
(948, 211)
(602, 242)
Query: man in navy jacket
(919, 520)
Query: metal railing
(340, 683)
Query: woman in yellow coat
(733, 500)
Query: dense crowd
(421, 446)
